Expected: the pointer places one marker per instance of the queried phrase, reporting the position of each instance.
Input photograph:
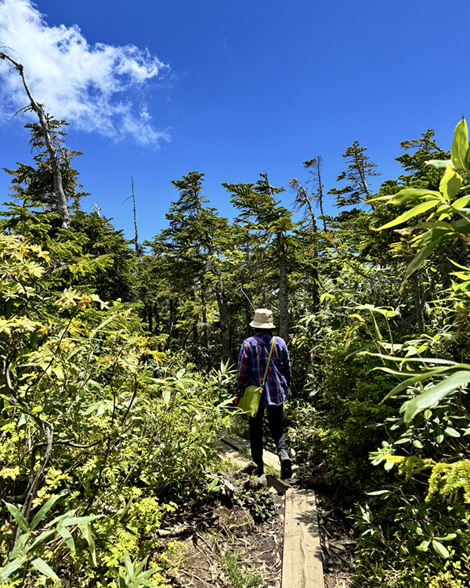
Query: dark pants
(256, 432)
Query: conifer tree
(357, 173)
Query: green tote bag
(250, 400)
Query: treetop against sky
(155, 90)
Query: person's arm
(243, 367)
(286, 363)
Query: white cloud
(91, 86)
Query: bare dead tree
(138, 247)
(34, 106)
(315, 168)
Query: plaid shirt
(252, 361)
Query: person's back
(252, 362)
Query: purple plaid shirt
(252, 361)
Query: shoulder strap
(269, 361)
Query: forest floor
(233, 537)
(222, 545)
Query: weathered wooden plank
(227, 452)
(302, 562)
(239, 443)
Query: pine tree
(358, 171)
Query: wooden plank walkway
(239, 443)
(302, 559)
(228, 452)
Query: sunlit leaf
(438, 163)
(440, 549)
(44, 510)
(460, 146)
(450, 184)
(19, 518)
(10, 568)
(44, 568)
(68, 538)
(435, 394)
(419, 209)
(451, 432)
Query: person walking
(252, 361)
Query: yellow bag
(251, 398)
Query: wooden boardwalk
(239, 443)
(302, 560)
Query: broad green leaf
(438, 163)
(410, 381)
(44, 568)
(411, 194)
(88, 535)
(68, 538)
(451, 432)
(450, 184)
(141, 566)
(123, 517)
(434, 360)
(413, 527)
(41, 538)
(461, 202)
(166, 395)
(448, 537)
(418, 260)
(10, 568)
(129, 565)
(460, 146)
(419, 209)
(435, 394)
(79, 520)
(437, 224)
(440, 549)
(20, 546)
(148, 573)
(19, 518)
(44, 510)
(417, 443)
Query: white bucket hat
(263, 319)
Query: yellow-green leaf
(410, 195)
(460, 146)
(419, 209)
(461, 202)
(450, 184)
(435, 394)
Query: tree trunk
(315, 277)
(149, 317)
(444, 270)
(283, 289)
(171, 328)
(417, 301)
(225, 326)
(205, 338)
(61, 200)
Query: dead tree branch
(61, 199)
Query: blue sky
(230, 89)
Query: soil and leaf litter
(232, 534)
